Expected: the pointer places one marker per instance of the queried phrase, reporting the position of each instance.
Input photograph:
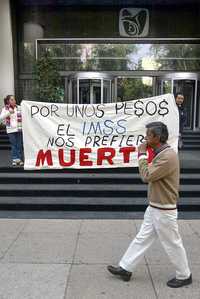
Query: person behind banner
(179, 98)
(11, 115)
(160, 219)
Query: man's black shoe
(125, 275)
(177, 283)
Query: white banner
(92, 136)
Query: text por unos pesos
(137, 108)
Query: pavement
(67, 259)
(43, 257)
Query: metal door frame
(184, 76)
(113, 76)
(90, 76)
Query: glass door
(95, 91)
(132, 88)
(89, 91)
(90, 88)
(163, 86)
(187, 88)
(187, 84)
(84, 91)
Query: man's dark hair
(159, 129)
(178, 94)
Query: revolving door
(90, 88)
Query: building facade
(105, 51)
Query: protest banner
(92, 136)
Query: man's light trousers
(160, 224)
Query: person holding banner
(160, 219)
(11, 115)
(179, 97)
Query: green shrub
(48, 81)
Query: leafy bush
(48, 81)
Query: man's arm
(154, 171)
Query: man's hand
(142, 147)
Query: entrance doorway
(90, 88)
(187, 84)
(97, 87)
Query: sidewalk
(67, 259)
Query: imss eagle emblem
(134, 22)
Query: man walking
(160, 219)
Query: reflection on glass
(27, 64)
(167, 86)
(149, 63)
(95, 87)
(134, 88)
(106, 91)
(74, 91)
(122, 57)
(90, 91)
(84, 91)
(96, 94)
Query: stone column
(6, 51)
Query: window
(122, 57)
